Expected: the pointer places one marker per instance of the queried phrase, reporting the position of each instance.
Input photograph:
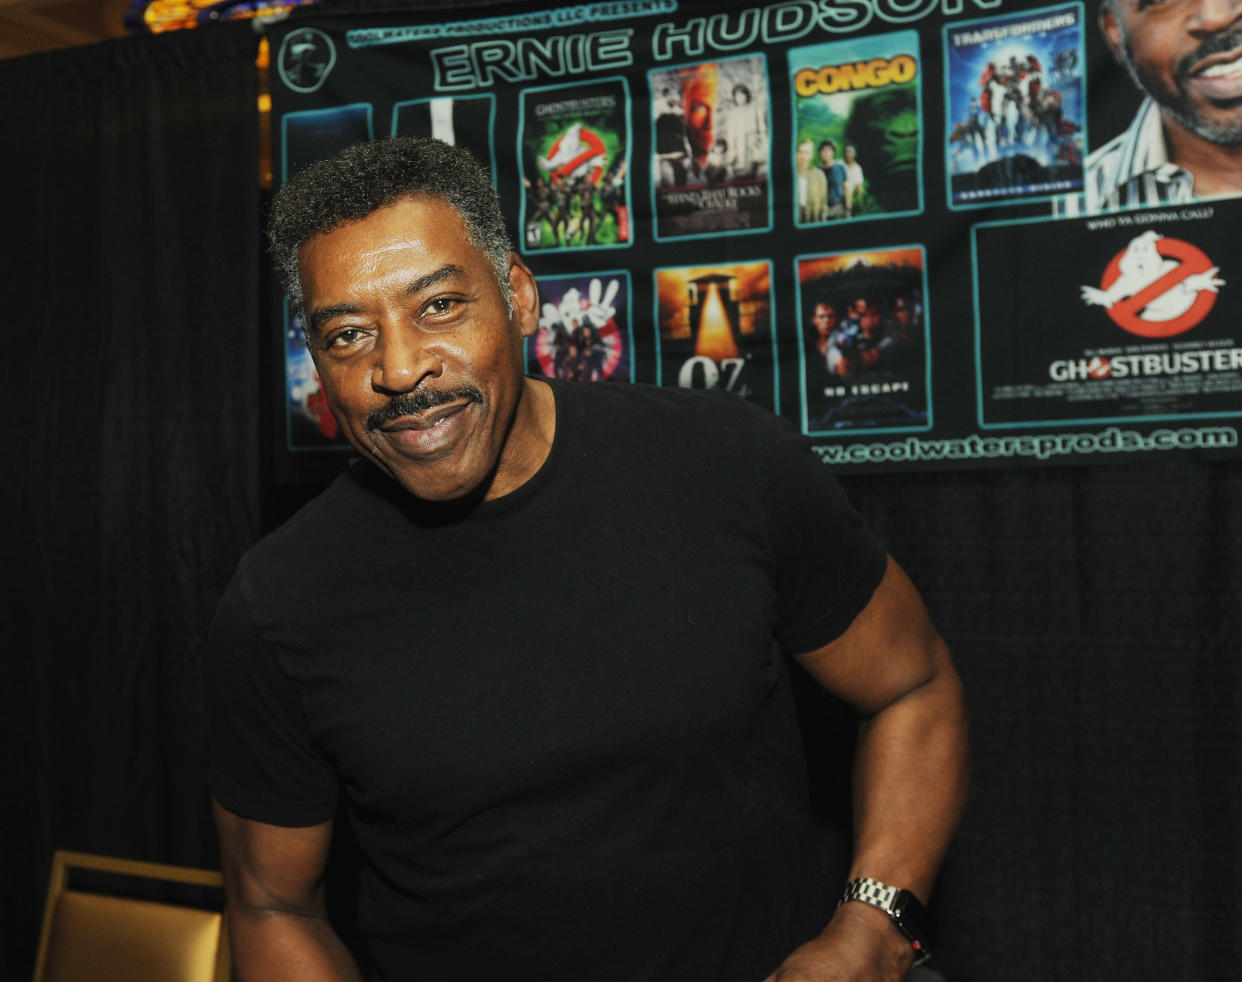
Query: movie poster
(710, 147)
(309, 423)
(715, 329)
(575, 142)
(1133, 316)
(462, 121)
(857, 128)
(865, 351)
(1015, 106)
(313, 134)
(584, 328)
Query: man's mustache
(1217, 44)
(413, 403)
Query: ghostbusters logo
(1157, 287)
(1099, 367)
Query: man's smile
(1215, 69)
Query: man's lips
(426, 432)
(425, 420)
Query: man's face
(870, 319)
(418, 356)
(824, 318)
(1186, 54)
(805, 151)
(827, 155)
(850, 154)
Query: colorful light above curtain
(156, 16)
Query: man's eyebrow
(321, 315)
(446, 272)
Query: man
(853, 180)
(1186, 140)
(812, 186)
(835, 176)
(564, 757)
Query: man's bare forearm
(911, 776)
(278, 946)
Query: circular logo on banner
(1157, 287)
(305, 59)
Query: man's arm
(911, 773)
(274, 892)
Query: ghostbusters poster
(930, 233)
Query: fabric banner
(930, 233)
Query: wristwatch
(901, 905)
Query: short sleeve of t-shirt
(264, 764)
(827, 563)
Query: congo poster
(1015, 106)
(715, 329)
(930, 233)
(857, 128)
(710, 142)
(575, 142)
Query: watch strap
(901, 905)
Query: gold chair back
(109, 938)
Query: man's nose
(1215, 15)
(403, 359)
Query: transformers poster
(1015, 106)
(857, 136)
(715, 329)
(575, 159)
(1131, 317)
(865, 341)
(710, 147)
(584, 328)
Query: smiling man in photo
(1185, 142)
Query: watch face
(912, 919)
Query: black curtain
(131, 381)
(1096, 616)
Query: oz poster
(714, 328)
(1133, 317)
(575, 154)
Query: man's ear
(1110, 27)
(525, 296)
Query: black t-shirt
(560, 720)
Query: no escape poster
(930, 233)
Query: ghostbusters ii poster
(669, 149)
(715, 329)
(865, 336)
(857, 134)
(584, 331)
(575, 157)
(1015, 106)
(1133, 316)
(710, 148)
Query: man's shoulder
(298, 544)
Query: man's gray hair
(368, 176)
